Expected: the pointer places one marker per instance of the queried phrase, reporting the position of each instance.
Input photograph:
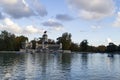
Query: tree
(20, 41)
(65, 40)
(111, 47)
(91, 49)
(118, 49)
(7, 41)
(74, 47)
(50, 41)
(84, 45)
(40, 40)
(33, 44)
(101, 48)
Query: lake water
(59, 66)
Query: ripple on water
(60, 66)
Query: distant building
(45, 40)
(44, 46)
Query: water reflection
(110, 63)
(46, 66)
(66, 66)
(84, 58)
(66, 61)
(29, 71)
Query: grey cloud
(83, 31)
(16, 9)
(21, 8)
(96, 9)
(64, 17)
(52, 24)
(1, 16)
(19, 12)
(37, 7)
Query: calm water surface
(59, 66)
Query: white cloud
(117, 21)
(12, 27)
(92, 10)
(109, 40)
(58, 28)
(10, 2)
(22, 8)
(24, 2)
(33, 30)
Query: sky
(98, 21)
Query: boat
(110, 55)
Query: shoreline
(66, 53)
(9, 51)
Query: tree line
(84, 46)
(11, 42)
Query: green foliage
(20, 40)
(84, 45)
(118, 48)
(65, 40)
(92, 49)
(111, 47)
(33, 44)
(101, 48)
(50, 41)
(40, 40)
(9, 42)
(74, 47)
